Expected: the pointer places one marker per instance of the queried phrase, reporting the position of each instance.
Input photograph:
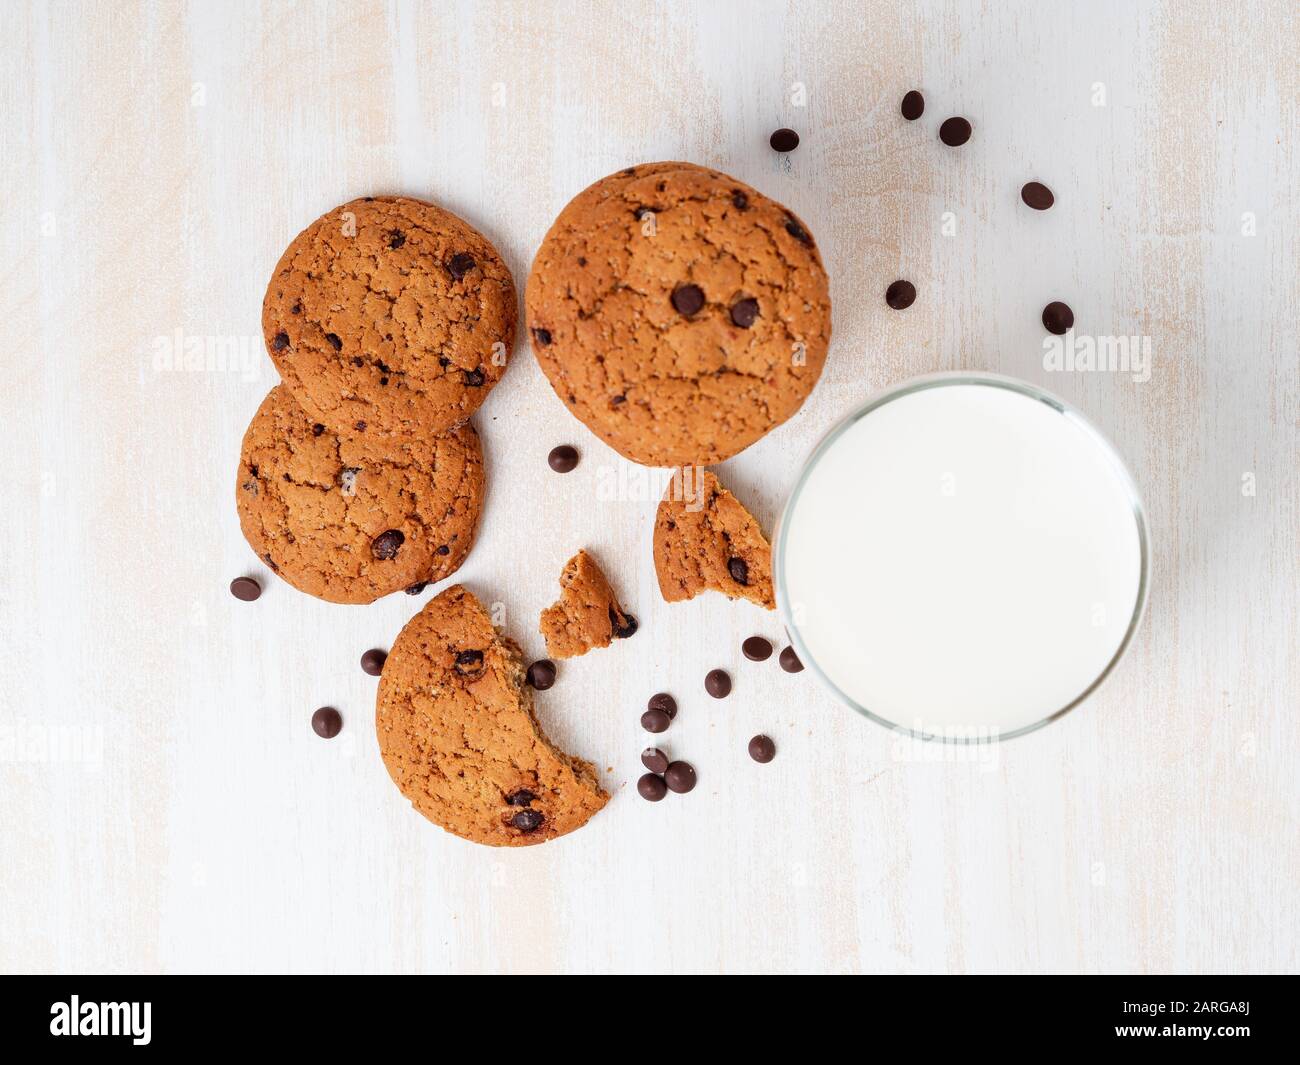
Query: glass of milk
(964, 558)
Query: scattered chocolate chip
(334, 340)
(784, 140)
(460, 264)
(790, 661)
(954, 132)
(624, 625)
(442, 549)
(522, 797)
(1057, 318)
(317, 429)
(680, 777)
(642, 211)
(245, 589)
(651, 787)
(360, 427)
(739, 570)
(688, 299)
(385, 545)
(718, 683)
(358, 361)
(541, 674)
(327, 722)
(1037, 195)
(654, 760)
(757, 649)
(296, 309)
(474, 378)
(280, 342)
(913, 106)
(383, 380)
(397, 239)
(744, 313)
(797, 231)
(616, 400)
(739, 200)
(469, 662)
(543, 337)
(528, 820)
(563, 458)
(443, 361)
(417, 588)
(372, 661)
(665, 702)
(900, 295)
(762, 749)
(655, 721)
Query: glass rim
(921, 384)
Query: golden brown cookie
(678, 313)
(349, 519)
(458, 734)
(706, 541)
(390, 317)
(587, 614)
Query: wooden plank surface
(166, 805)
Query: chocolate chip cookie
(705, 540)
(678, 313)
(587, 614)
(352, 518)
(458, 734)
(389, 317)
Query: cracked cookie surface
(587, 614)
(678, 313)
(459, 737)
(349, 519)
(389, 316)
(705, 540)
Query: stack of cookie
(389, 321)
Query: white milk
(962, 559)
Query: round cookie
(678, 313)
(390, 317)
(349, 519)
(454, 717)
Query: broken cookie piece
(705, 540)
(587, 613)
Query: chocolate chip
(460, 264)
(718, 683)
(397, 239)
(563, 458)
(280, 342)
(442, 549)
(615, 401)
(913, 106)
(900, 295)
(417, 588)
(385, 545)
(327, 722)
(757, 649)
(784, 140)
(655, 721)
(739, 201)
(680, 777)
(739, 570)
(296, 309)
(528, 820)
(474, 378)
(790, 661)
(317, 429)
(654, 760)
(372, 661)
(688, 299)
(1057, 318)
(360, 427)
(469, 663)
(522, 797)
(651, 787)
(762, 749)
(623, 625)
(541, 674)
(543, 337)
(665, 702)
(954, 132)
(334, 340)
(797, 231)
(358, 361)
(1037, 195)
(744, 313)
(245, 589)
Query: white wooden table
(165, 803)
